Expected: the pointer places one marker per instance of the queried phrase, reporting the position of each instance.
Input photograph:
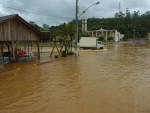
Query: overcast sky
(55, 12)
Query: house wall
(13, 30)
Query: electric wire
(35, 12)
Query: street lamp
(88, 8)
(77, 30)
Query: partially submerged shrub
(56, 56)
(63, 53)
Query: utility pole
(77, 30)
(76, 34)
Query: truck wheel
(101, 48)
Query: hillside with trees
(126, 23)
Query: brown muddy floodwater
(113, 80)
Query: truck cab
(100, 45)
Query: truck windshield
(99, 43)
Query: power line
(46, 4)
(41, 2)
(53, 5)
(35, 12)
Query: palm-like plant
(68, 31)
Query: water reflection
(114, 80)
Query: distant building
(102, 32)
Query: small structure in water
(18, 38)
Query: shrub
(110, 38)
(56, 56)
(101, 38)
(63, 53)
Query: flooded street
(113, 80)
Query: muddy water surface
(113, 80)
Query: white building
(102, 32)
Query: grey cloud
(66, 8)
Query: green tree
(125, 23)
(35, 25)
(45, 27)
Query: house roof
(7, 17)
(16, 16)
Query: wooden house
(14, 30)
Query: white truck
(90, 43)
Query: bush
(110, 38)
(63, 53)
(101, 38)
(56, 56)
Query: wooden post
(28, 51)
(58, 50)
(55, 45)
(62, 45)
(41, 46)
(9, 52)
(71, 43)
(2, 50)
(13, 51)
(16, 52)
(38, 46)
(52, 51)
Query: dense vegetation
(127, 23)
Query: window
(99, 43)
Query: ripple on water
(113, 80)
